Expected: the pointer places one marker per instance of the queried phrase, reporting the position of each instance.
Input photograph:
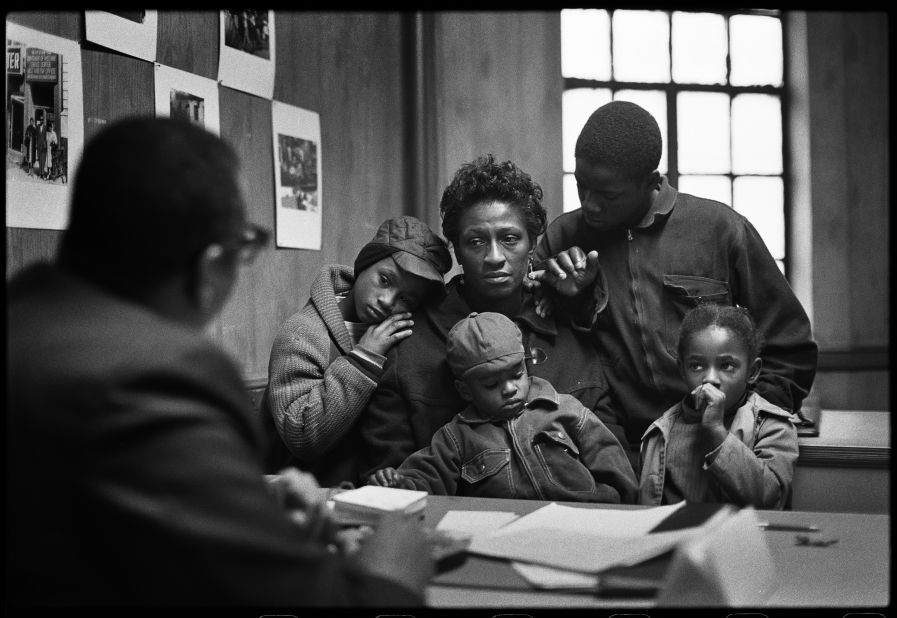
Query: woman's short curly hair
(623, 136)
(485, 179)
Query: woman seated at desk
(492, 215)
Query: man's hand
(569, 272)
(299, 493)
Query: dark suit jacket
(135, 471)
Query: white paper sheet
(575, 549)
(474, 523)
(604, 522)
(545, 577)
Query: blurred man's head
(155, 203)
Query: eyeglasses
(253, 238)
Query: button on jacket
(555, 449)
(754, 466)
(685, 250)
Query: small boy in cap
(519, 437)
(327, 358)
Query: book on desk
(365, 505)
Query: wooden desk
(846, 468)
(852, 573)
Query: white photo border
(296, 229)
(168, 78)
(243, 71)
(40, 205)
(122, 34)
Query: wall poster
(246, 61)
(130, 32)
(184, 95)
(297, 176)
(44, 126)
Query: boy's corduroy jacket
(555, 449)
(754, 465)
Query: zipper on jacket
(629, 235)
(523, 462)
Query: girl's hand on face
(381, 337)
(711, 402)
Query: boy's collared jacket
(555, 449)
(416, 394)
(685, 250)
(754, 465)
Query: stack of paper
(573, 548)
(365, 505)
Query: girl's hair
(736, 319)
(485, 179)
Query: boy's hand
(711, 402)
(380, 337)
(569, 272)
(386, 477)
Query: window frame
(672, 88)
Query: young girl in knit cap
(723, 442)
(519, 437)
(327, 358)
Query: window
(714, 82)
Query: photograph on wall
(44, 126)
(297, 176)
(131, 32)
(187, 96)
(246, 60)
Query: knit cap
(483, 341)
(412, 244)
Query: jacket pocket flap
(485, 464)
(557, 437)
(697, 288)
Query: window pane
(762, 201)
(717, 188)
(571, 195)
(641, 46)
(755, 50)
(577, 105)
(585, 44)
(756, 134)
(702, 123)
(655, 102)
(699, 48)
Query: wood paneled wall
(849, 171)
(358, 71)
(405, 99)
(498, 89)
